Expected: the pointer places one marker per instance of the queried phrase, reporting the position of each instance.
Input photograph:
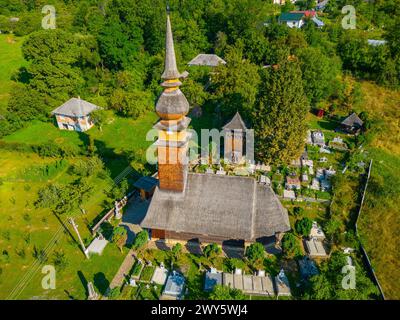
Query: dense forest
(111, 53)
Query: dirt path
(124, 269)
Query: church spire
(170, 70)
(172, 108)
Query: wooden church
(202, 207)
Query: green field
(11, 60)
(25, 228)
(19, 217)
(380, 218)
(113, 143)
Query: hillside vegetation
(380, 217)
(11, 60)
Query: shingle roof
(75, 107)
(291, 16)
(146, 183)
(225, 206)
(236, 123)
(209, 60)
(352, 120)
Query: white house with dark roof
(74, 115)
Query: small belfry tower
(172, 108)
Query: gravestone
(132, 283)
(118, 214)
(93, 295)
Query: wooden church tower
(172, 108)
(234, 139)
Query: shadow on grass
(84, 282)
(161, 245)
(101, 282)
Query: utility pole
(71, 221)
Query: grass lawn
(380, 221)
(11, 60)
(24, 228)
(118, 138)
(380, 218)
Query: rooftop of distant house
(352, 120)
(208, 60)
(75, 107)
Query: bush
(5, 257)
(290, 246)
(39, 254)
(136, 269)
(233, 263)
(212, 250)
(303, 226)
(114, 293)
(298, 211)
(48, 149)
(88, 167)
(255, 252)
(141, 239)
(177, 250)
(221, 292)
(60, 261)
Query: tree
(290, 246)
(221, 292)
(332, 229)
(88, 167)
(141, 239)
(118, 191)
(194, 92)
(236, 83)
(119, 237)
(64, 198)
(255, 252)
(119, 43)
(100, 118)
(280, 115)
(303, 226)
(319, 72)
(130, 103)
(52, 72)
(393, 37)
(328, 284)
